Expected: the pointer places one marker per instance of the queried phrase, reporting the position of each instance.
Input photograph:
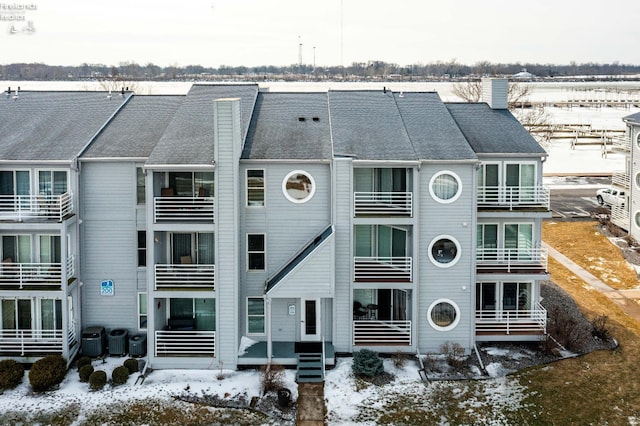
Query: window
(52, 182)
(142, 248)
(142, 311)
(203, 312)
(16, 314)
(444, 251)
(51, 314)
(192, 248)
(637, 218)
(255, 252)
(255, 188)
(445, 187)
(16, 249)
(255, 315)
(191, 184)
(14, 182)
(140, 186)
(443, 315)
(298, 186)
(638, 140)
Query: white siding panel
(284, 327)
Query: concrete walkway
(626, 299)
(310, 409)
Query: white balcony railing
(184, 276)
(621, 178)
(376, 332)
(185, 343)
(20, 275)
(510, 197)
(398, 269)
(512, 260)
(510, 322)
(183, 209)
(383, 203)
(28, 342)
(34, 207)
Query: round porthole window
(637, 180)
(445, 187)
(638, 140)
(443, 315)
(298, 186)
(636, 218)
(444, 251)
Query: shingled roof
(52, 126)
(136, 129)
(493, 131)
(188, 139)
(289, 126)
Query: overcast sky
(269, 32)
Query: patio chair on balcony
(166, 192)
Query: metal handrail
(185, 343)
(181, 276)
(513, 196)
(387, 203)
(381, 267)
(32, 274)
(31, 341)
(378, 332)
(507, 321)
(21, 207)
(534, 258)
(183, 209)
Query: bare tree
(469, 91)
(117, 84)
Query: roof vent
(16, 95)
(316, 118)
(9, 91)
(301, 118)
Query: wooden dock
(578, 134)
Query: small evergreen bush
(120, 375)
(132, 365)
(97, 380)
(84, 372)
(11, 374)
(47, 372)
(82, 361)
(367, 363)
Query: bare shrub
(568, 331)
(601, 327)
(454, 354)
(271, 377)
(400, 359)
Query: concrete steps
(310, 368)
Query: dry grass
(599, 388)
(587, 247)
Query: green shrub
(132, 365)
(120, 375)
(367, 363)
(83, 360)
(84, 372)
(97, 380)
(11, 374)
(47, 372)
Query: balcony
(379, 332)
(383, 203)
(503, 323)
(34, 342)
(35, 207)
(382, 269)
(34, 275)
(621, 178)
(183, 209)
(518, 260)
(187, 343)
(513, 197)
(179, 277)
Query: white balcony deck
(383, 203)
(501, 323)
(184, 277)
(183, 209)
(382, 269)
(378, 332)
(513, 197)
(35, 207)
(185, 343)
(520, 260)
(621, 178)
(34, 342)
(30, 275)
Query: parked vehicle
(611, 197)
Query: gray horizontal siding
(343, 255)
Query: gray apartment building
(322, 222)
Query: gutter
(169, 167)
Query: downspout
(475, 348)
(269, 342)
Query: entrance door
(310, 320)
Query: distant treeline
(356, 71)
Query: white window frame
(139, 313)
(36, 177)
(311, 192)
(264, 189)
(264, 251)
(263, 316)
(456, 320)
(455, 259)
(432, 192)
